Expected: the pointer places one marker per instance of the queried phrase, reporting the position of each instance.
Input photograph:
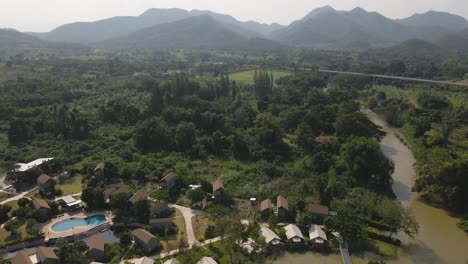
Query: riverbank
(439, 239)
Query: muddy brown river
(439, 240)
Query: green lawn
(72, 185)
(383, 248)
(246, 77)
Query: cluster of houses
(317, 238)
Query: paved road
(188, 213)
(393, 77)
(176, 251)
(19, 196)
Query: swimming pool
(70, 223)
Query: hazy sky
(44, 15)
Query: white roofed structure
(22, 167)
(271, 237)
(317, 235)
(293, 233)
(207, 260)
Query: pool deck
(49, 233)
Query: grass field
(200, 223)
(173, 241)
(246, 77)
(384, 249)
(72, 185)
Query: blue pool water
(70, 223)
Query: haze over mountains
(323, 27)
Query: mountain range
(177, 28)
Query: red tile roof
(21, 257)
(265, 204)
(100, 166)
(321, 139)
(317, 209)
(217, 185)
(138, 196)
(143, 235)
(169, 177)
(282, 202)
(96, 243)
(39, 203)
(45, 253)
(44, 178)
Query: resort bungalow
(98, 172)
(116, 189)
(282, 207)
(273, 241)
(248, 245)
(171, 261)
(96, 248)
(46, 184)
(138, 196)
(161, 223)
(294, 235)
(207, 260)
(322, 139)
(21, 257)
(200, 205)
(218, 191)
(69, 203)
(145, 239)
(265, 208)
(42, 209)
(168, 182)
(317, 210)
(317, 236)
(143, 260)
(22, 169)
(46, 255)
(159, 208)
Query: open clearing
(246, 77)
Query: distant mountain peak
(359, 10)
(319, 11)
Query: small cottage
(294, 235)
(271, 238)
(145, 239)
(96, 248)
(46, 185)
(317, 210)
(159, 208)
(46, 255)
(218, 191)
(99, 170)
(42, 209)
(282, 207)
(161, 223)
(168, 182)
(265, 208)
(207, 260)
(21, 257)
(317, 236)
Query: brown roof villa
(44, 178)
(265, 205)
(45, 253)
(282, 202)
(96, 243)
(100, 166)
(218, 184)
(317, 209)
(142, 235)
(39, 203)
(21, 257)
(169, 177)
(138, 196)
